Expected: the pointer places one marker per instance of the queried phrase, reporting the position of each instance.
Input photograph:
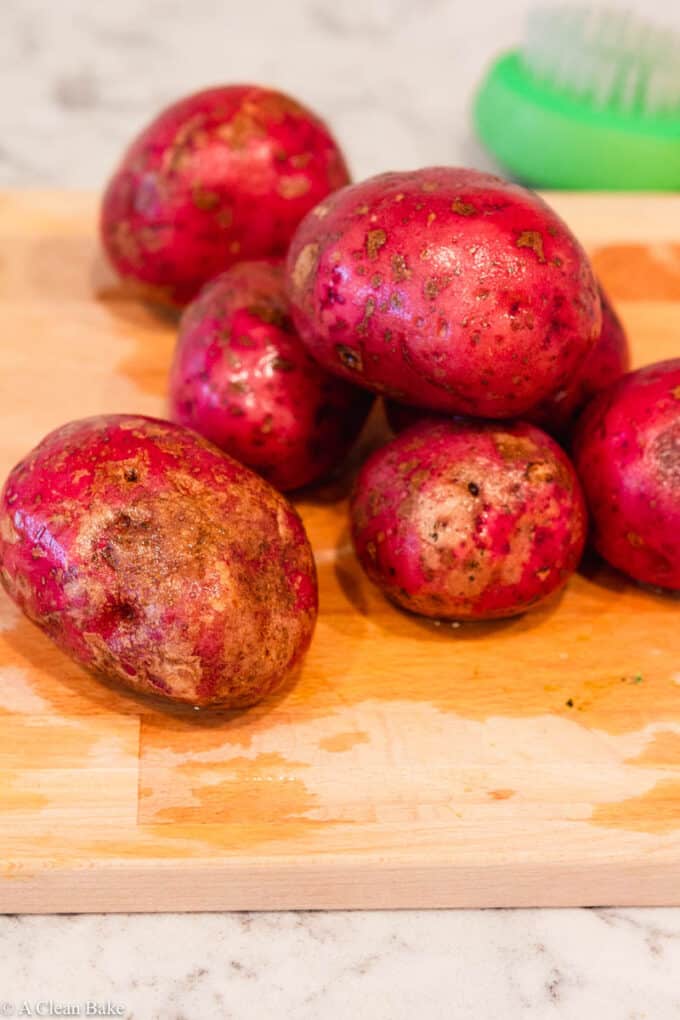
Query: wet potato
(627, 453)
(445, 288)
(468, 520)
(608, 360)
(557, 414)
(220, 176)
(151, 557)
(243, 379)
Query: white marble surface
(436, 965)
(394, 78)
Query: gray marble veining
(570, 964)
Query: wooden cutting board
(529, 762)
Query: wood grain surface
(528, 762)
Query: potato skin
(608, 360)
(151, 557)
(222, 175)
(446, 288)
(243, 379)
(627, 454)
(468, 520)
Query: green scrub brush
(590, 100)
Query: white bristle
(610, 58)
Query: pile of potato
(162, 554)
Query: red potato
(243, 379)
(627, 454)
(468, 521)
(222, 175)
(557, 414)
(445, 288)
(156, 560)
(607, 361)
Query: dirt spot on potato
(239, 130)
(275, 106)
(666, 453)
(350, 357)
(204, 199)
(400, 269)
(294, 187)
(185, 138)
(540, 471)
(8, 532)
(532, 239)
(305, 264)
(513, 447)
(463, 208)
(434, 285)
(375, 239)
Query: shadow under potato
(129, 300)
(596, 570)
(338, 485)
(30, 646)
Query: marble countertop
(394, 78)
(434, 965)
